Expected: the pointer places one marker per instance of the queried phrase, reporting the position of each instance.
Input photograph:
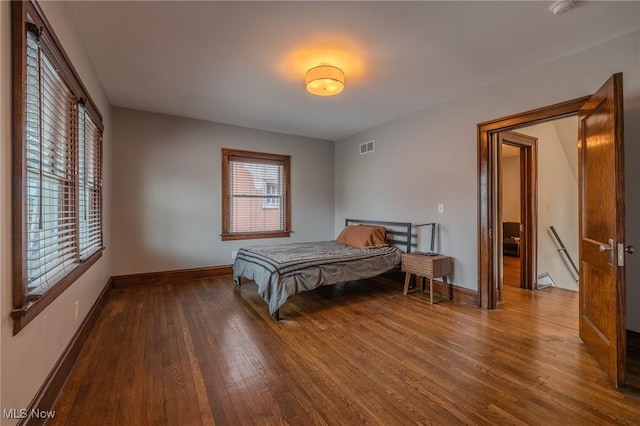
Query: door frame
(528, 170)
(489, 212)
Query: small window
(255, 195)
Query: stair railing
(565, 254)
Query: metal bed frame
(403, 239)
(401, 230)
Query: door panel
(601, 177)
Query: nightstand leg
(431, 289)
(447, 288)
(407, 278)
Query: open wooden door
(602, 251)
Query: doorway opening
(517, 208)
(538, 181)
(511, 192)
(517, 215)
(489, 217)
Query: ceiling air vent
(367, 147)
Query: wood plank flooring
(204, 353)
(511, 271)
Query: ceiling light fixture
(325, 80)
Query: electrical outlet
(233, 254)
(440, 208)
(76, 309)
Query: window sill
(25, 314)
(254, 235)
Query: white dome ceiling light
(325, 80)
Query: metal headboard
(402, 237)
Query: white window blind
(89, 185)
(256, 195)
(50, 171)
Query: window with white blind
(57, 174)
(89, 185)
(255, 195)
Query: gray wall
(167, 190)
(557, 200)
(430, 157)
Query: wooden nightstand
(430, 267)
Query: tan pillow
(363, 236)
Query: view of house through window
(255, 195)
(273, 191)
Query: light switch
(440, 208)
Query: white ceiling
(243, 63)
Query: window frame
(27, 16)
(226, 208)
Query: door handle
(630, 249)
(612, 253)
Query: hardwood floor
(203, 353)
(511, 271)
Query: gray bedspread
(287, 269)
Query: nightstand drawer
(424, 266)
(427, 266)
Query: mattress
(283, 270)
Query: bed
(284, 270)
